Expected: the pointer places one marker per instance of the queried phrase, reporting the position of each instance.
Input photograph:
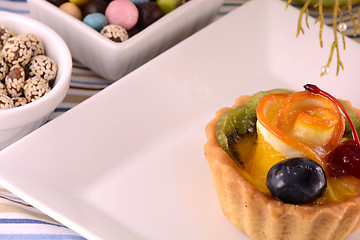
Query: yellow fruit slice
(264, 158)
(340, 188)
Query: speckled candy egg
(36, 45)
(6, 102)
(72, 9)
(43, 67)
(35, 88)
(3, 68)
(115, 33)
(5, 34)
(17, 50)
(15, 81)
(96, 21)
(123, 13)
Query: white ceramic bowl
(18, 122)
(114, 60)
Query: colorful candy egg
(96, 21)
(123, 13)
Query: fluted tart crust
(263, 217)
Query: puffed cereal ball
(5, 34)
(3, 90)
(15, 81)
(26, 72)
(44, 67)
(3, 68)
(35, 88)
(36, 45)
(19, 101)
(17, 51)
(115, 33)
(6, 102)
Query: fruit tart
(286, 165)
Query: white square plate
(128, 163)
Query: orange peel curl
(309, 123)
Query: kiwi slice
(235, 124)
(230, 127)
(254, 102)
(354, 119)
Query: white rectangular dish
(128, 163)
(114, 60)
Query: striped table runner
(18, 219)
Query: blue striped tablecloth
(18, 219)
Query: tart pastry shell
(263, 217)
